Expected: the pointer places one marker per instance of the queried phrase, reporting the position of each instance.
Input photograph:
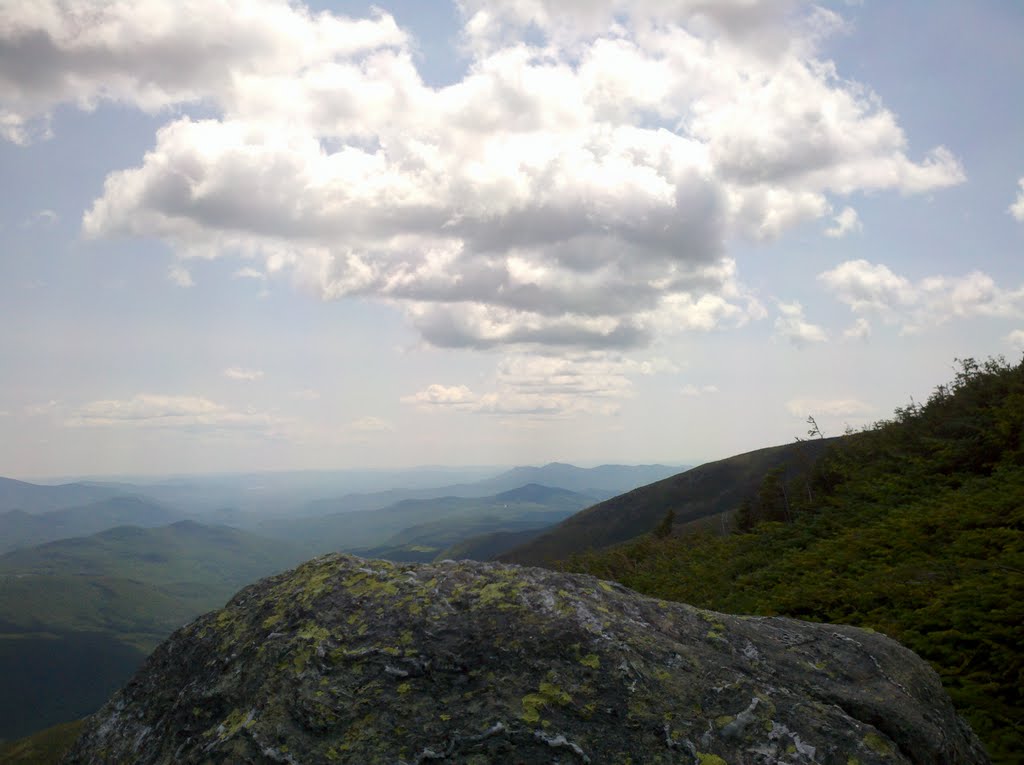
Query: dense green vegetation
(914, 527)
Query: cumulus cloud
(1017, 208)
(543, 385)
(873, 289)
(576, 188)
(844, 223)
(153, 56)
(791, 325)
(371, 425)
(859, 330)
(161, 411)
(240, 373)
(250, 273)
(1016, 339)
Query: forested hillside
(709, 493)
(914, 527)
(77, 616)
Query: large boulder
(345, 660)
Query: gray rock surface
(345, 660)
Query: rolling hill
(21, 529)
(36, 498)
(77, 616)
(428, 525)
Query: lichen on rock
(345, 660)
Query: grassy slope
(916, 529)
(704, 491)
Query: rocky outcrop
(345, 660)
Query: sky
(245, 235)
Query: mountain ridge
(710, 489)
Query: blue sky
(260, 235)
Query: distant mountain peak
(531, 492)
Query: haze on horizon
(259, 235)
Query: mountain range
(710, 491)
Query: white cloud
(873, 289)
(845, 222)
(844, 407)
(42, 218)
(180, 276)
(447, 396)
(250, 273)
(1017, 208)
(240, 373)
(542, 385)
(791, 325)
(702, 390)
(371, 425)
(162, 411)
(579, 192)
(306, 395)
(154, 56)
(1016, 339)
(859, 330)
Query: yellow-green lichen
(495, 594)
(877, 744)
(591, 660)
(230, 725)
(710, 759)
(548, 694)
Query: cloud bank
(578, 188)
